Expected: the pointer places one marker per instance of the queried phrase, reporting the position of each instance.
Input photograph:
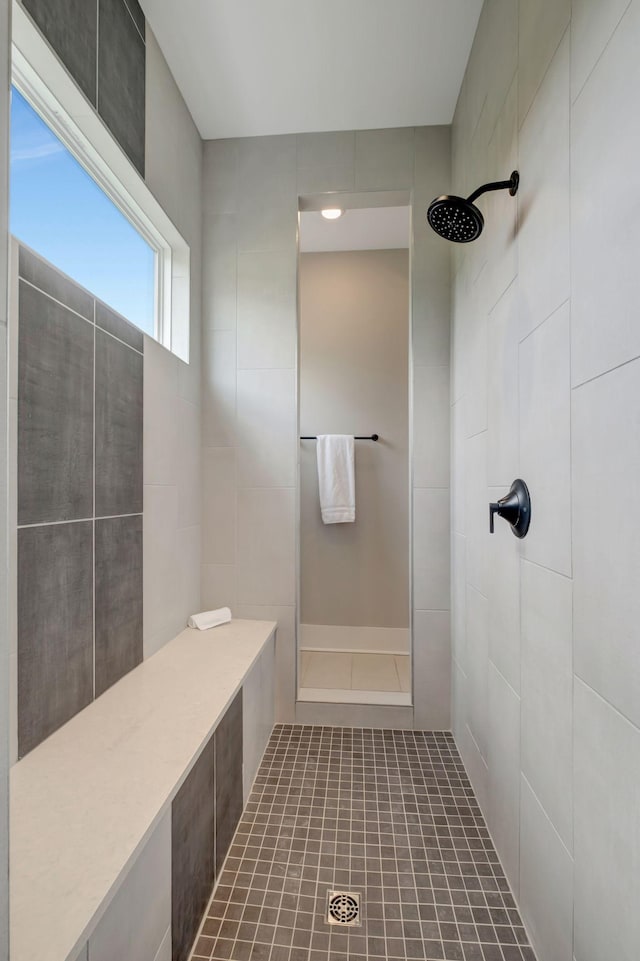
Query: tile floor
(349, 671)
(389, 814)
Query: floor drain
(343, 907)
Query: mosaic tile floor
(388, 814)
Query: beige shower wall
(354, 379)
(249, 397)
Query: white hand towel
(336, 478)
(202, 622)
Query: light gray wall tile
(384, 159)
(477, 511)
(541, 27)
(136, 921)
(285, 656)
(476, 767)
(220, 279)
(605, 283)
(607, 801)
(163, 613)
(118, 428)
(503, 585)
(55, 411)
(190, 463)
(431, 550)
(592, 25)
(503, 762)
(607, 566)
(501, 209)
(219, 359)
(477, 667)
(42, 275)
(219, 587)
(267, 309)
(219, 510)
(458, 444)
(431, 427)
(544, 224)
(431, 667)
(266, 546)
(118, 599)
(161, 425)
(503, 434)
(458, 599)
(121, 78)
(325, 161)
(266, 428)
(546, 882)
(545, 440)
(257, 715)
(55, 628)
(221, 177)
(547, 693)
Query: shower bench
(107, 814)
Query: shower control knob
(515, 507)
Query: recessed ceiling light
(332, 213)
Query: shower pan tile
(374, 672)
(390, 815)
(325, 669)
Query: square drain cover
(343, 907)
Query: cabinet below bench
(121, 820)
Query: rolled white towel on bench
(207, 619)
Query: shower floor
(355, 676)
(390, 815)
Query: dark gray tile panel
(228, 744)
(118, 586)
(192, 852)
(41, 274)
(119, 397)
(55, 411)
(55, 628)
(121, 78)
(114, 324)
(70, 27)
(138, 16)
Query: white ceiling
(256, 67)
(371, 228)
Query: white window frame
(41, 78)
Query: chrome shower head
(459, 220)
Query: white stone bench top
(84, 802)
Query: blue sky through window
(60, 211)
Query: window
(61, 212)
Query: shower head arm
(511, 185)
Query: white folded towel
(336, 478)
(207, 619)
